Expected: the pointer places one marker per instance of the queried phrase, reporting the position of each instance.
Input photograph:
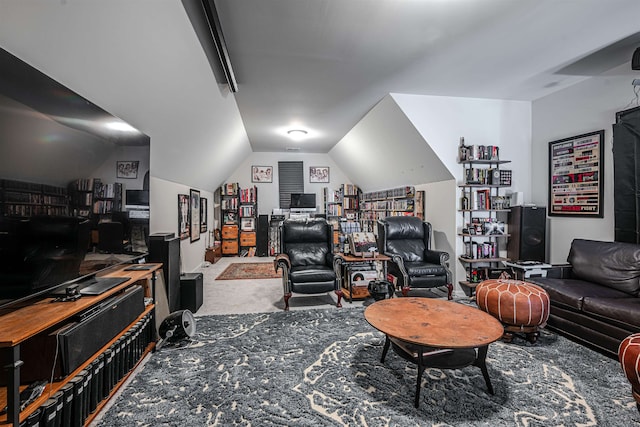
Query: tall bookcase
(399, 201)
(229, 204)
(481, 200)
(92, 196)
(248, 213)
(19, 198)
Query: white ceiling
(322, 65)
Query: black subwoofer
(527, 230)
(262, 236)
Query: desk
(346, 264)
(455, 336)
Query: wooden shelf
(480, 260)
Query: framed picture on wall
(319, 174)
(194, 215)
(576, 176)
(203, 215)
(261, 173)
(183, 216)
(127, 169)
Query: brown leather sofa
(595, 297)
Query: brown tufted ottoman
(629, 356)
(520, 306)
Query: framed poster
(318, 173)
(261, 173)
(576, 176)
(203, 215)
(127, 169)
(194, 215)
(183, 216)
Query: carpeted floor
(249, 270)
(322, 367)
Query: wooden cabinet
(45, 315)
(213, 254)
(248, 238)
(229, 247)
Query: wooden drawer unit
(248, 238)
(229, 247)
(229, 231)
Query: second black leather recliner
(407, 241)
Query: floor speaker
(527, 231)
(262, 236)
(165, 248)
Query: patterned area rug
(249, 270)
(322, 368)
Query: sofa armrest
(560, 271)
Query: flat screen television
(302, 200)
(50, 137)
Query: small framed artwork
(194, 215)
(127, 169)
(319, 174)
(203, 215)
(261, 173)
(576, 176)
(183, 216)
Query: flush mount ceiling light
(297, 134)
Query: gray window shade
(290, 176)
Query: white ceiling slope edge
(414, 139)
(384, 150)
(141, 61)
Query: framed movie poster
(203, 215)
(183, 216)
(194, 214)
(319, 174)
(261, 173)
(576, 176)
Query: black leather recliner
(407, 241)
(306, 258)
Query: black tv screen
(53, 144)
(137, 197)
(303, 200)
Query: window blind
(290, 177)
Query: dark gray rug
(322, 367)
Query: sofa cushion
(624, 311)
(612, 264)
(571, 292)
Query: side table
(213, 253)
(523, 270)
(346, 263)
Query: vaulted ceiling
(321, 65)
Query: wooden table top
(353, 258)
(434, 323)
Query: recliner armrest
(282, 261)
(436, 257)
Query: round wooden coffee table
(435, 333)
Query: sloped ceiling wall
(384, 150)
(140, 61)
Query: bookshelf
(248, 214)
(18, 198)
(229, 204)
(400, 201)
(481, 200)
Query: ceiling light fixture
(297, 134)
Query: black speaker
(76, 342)
(262, 236)
(527, 231)
(191, 291)
(165, 248)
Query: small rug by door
(249, 270)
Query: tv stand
(46, 314)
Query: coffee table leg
(420, 372)
(481, 363)
(385, 349)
